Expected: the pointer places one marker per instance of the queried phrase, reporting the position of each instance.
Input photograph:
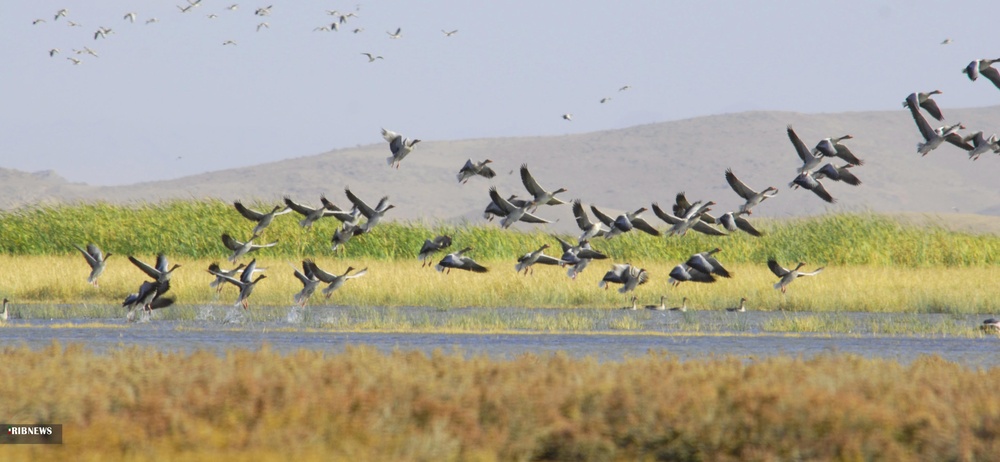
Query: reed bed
(61, 280)
(192, 229)
(366, 405)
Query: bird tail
(920, 148)
(602, 284)
(439, 268)
(389, 160)
(777, 285)
(519, 267)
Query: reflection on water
(608, 335)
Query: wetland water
(608, 335)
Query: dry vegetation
(142, 404)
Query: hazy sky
(168, 99)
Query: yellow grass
(62, 280)
(142, 404)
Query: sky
(169, 99)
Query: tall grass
(144, 404)
(191, 229)
(62, 280)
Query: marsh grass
(367, 405)
(33, 285)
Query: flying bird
(624, 222)
(567, 116)
(449, 33)
(808, 181)
(245, 283)
(924, 100)
(471, 169)
(528, 260)
(263, 219)
(398, 145)
(397, 34)
(130, 17)
(732, 221)
(160, 272)
(541, 195)
(334, 281)
(810, 161)
(513, 213)
(787, 276)
(751, 197)
(431, 247)
(934, 137)
(831, 147)
(96, 259)
(590, 229)
(374, 215)
(984, 67)
(372, 58)
(458, 260)
(242, 248)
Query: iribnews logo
(31, 434)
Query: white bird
(263, 11)
(372, 58)
(398, 145)
(130, 17)
(397, 34)
(53, 52)
(61, 13)
(37, 22)
(212, 16)
(605, 99)
(264, 25)
(568, 116)
(102, 32)
(233, 7)
(75, 61)
(73, 24)
(90, 52)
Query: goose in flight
(160, 272)
(843, 174)
(810, 161)
(309, 283)
(148, 298)
(74, 60)
(242, 248)
(542, 197)
(786, 275)
(334, 281)
(245, 283)
(229, 42)
(624, 222)
(263, 11)
(37, 22)
(395, 35)
(219, 282)
(398, 145)
(683, 207)
(96, 259)
(327, 209)
(371, 59)
(590, 229)
(458, 260)
(810, 182)
(449, 33)
(577, 257)
(374, 215)
(831, 147)
(984, 67)
(431, 247)
(732, 221)
(683, 273)
(263, 219)
(751, 197)
(924, 100)
(626, 87)
(605, 99)
(627, 275)
(61, 14)
(513, 213)
(151, 20)
(345, 233)
(264, 25)
(471, 169)
(981, 144)
(567, 116)
(493, 210)
(102, 32)
(525, 262)
(691, 220)
(706, 263)
(934, 137)
(130, 17)
(53, 52)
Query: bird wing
(642, 225)
(601, 216)
(717, 267)
(742, 189)
(847, 177)
(992, 74)
(957, 140)
(547, 260)
(922, 125)
(500, 202)
(582, 220)
(95, 252)
(931, 107)
(320, 274)
(820, 191)
(357, 275)
(777, 269)
(230, 243)
(302, 209)
(90, 258)
(744, 224)
(249, 214)
(664, 215)
(706, 228)
(529, 218)
(152, 272)
(468, 167)
(681, 205)
(487, 172)
(389, 135)
(161, 263)
(566, 246)
(529, 182)
(471, 265)
(845, 153)
(367, 211)
(812, 273)
(800, 148)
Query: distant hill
(617, 169)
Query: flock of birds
(333, 21)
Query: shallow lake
(610, 335)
